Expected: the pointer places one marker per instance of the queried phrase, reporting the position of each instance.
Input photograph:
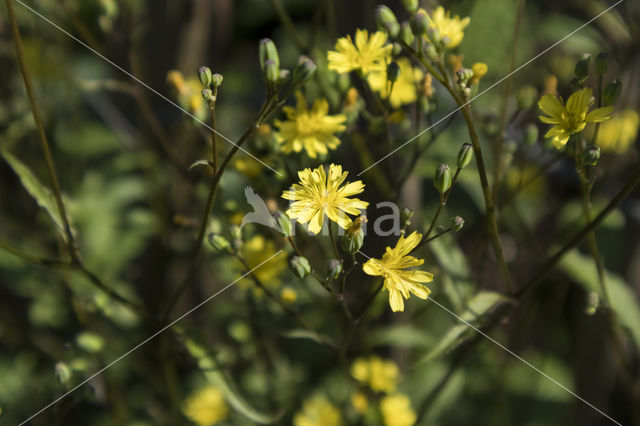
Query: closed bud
(581, 70)
(442, 178)
(334, 268)
(406, 34)
(216, 80)
(464, 74)
(63, 372)
(405, 216)
(465, 155)
(205, 75)
(531, 134)
(285, 227)
(207, 95)
(219, 242)
(419, 24)
(526, 97)
(300, 266)
(434, 35)
(410, 5)
(393, 71)
(386, 20)
(591, 155)
(304, 70)
(457, 222)
(601, 63)
(611, 92)
(271, 71)
(283, 76)
(353, 238)
(268, 51)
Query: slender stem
(333, 242)
(34, 259)
(37, 116)
(214, 151)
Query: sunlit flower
(452, 28)
(366, 55)
(571, 118)
(396, 410)
(312, 129)
(378, 374)
(188, 93)
(400, 281)
(257, 251)
(288, 295)
(404, 90)
(479, 70)
(319, 194)
(620, 132)
(359, 402)
(206, 406)
(318, 411)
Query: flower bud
(284, 75)
(581, 70)
(300, 266)
(205, 75)
(353, 239)
(268, 51)
(601, 63)
(531, 134)
(611, 92)
(442, 178)
(465, 155)
(419, 24)
(219, 242)
(283, 223)
(457, 222)
(526, 97)
(405, 216)
(386, 20)
(591, 155)
(393, 71)
(464, 74)
(396, 49)
(63, 372)
(207, 95)
(271, 71)
(216, 80)
(410, 5)
(334, 269)
(406, 34)
(434, 35)
(304, 70)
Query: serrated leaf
(581, 268)
(481, 304)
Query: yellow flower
(398, 280)
(256, 251)
(205, 406)
(378, 374)
(318, 412)
(312, 129)
(404, 90)
(319, 194)
(452, 28)
(366, 55)
(479, 70)
(620, 132)
(288, 295)
(571, 118)
(360, 402)
(188, 93)
(396, 410)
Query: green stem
(333, 242)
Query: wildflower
(571, 118)
(288, 295)
(258, 250)
(404, 90)
(318, 411)
(550, 85)
(396, 410)
(366, 55)
(620, 132)
(479, 70)
(319, 194)
(312, 129)
(188, 93)
(452, 28)
(205, 406)
(359, 402)
(399, 281)
(378, 374)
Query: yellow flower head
(404, 90)
(256, 251)
(396, 410)
(312, 129)
(206, 406)
(319, 194)
(188, 93)
(288, 295)
(318, 411)
(399, 281)
(620, 132)
(366, 55)
(360, 402)
(479, 70)
(452, 28)
(571, 118)
(378, 374)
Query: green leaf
(222, 381)
(623, 301)
(481, 304)
(200, 163)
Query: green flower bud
(591, 155)
(334, 269)
(581, 70)
(216, 80)
(531, 134)
(205, 75)
(285, 227)
(219, 242)
(268, 51)
(63, 372)
(410, 5)
(434, 35)
(526, 97)
(457, 222)
(601, 63)
(300, 266)
(393, 71)
(271, 71)
(405, 216)
(611, 92)
(419, 24)
(442, 178)
(353, 239)
(465, 155)
(406, 34)
(304, 70)
(464, 74)
(386, 20)
(284, 75)
(207, 95)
